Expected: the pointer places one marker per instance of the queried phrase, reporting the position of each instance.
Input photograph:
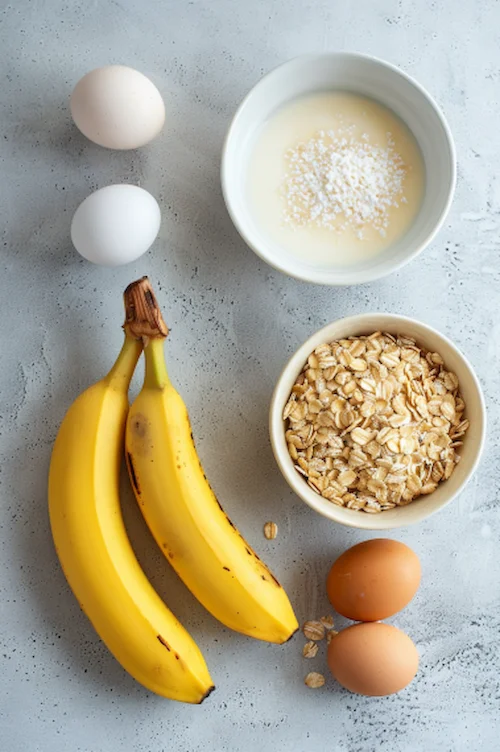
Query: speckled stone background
(234, 323)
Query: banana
(180, 508)
(94, 550)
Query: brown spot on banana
(139, 425)
(132, 474)
(208, 692)
(167, 552)
(274, 578)
(165, 644)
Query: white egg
(115, 225)
(117, 107)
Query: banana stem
(143, 320)
(121, 373)
(156, 371)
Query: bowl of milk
(338, 169)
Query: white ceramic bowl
(470, 389)
(363, 75)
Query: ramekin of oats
(377, 421)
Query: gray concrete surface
(234, 322)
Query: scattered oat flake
(314, 680)
(310, 649)
(270, 530)
(330, 635)
(327, 622)
(313, 630)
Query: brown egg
(373, 580)
(373, 659)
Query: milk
(302, 119)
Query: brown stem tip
(143, 319)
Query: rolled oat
(374, 422)
(314, 680)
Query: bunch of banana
(189, 524)
(95, 553)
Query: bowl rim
(321, 276)
(276, 428)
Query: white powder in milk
(336, 180)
